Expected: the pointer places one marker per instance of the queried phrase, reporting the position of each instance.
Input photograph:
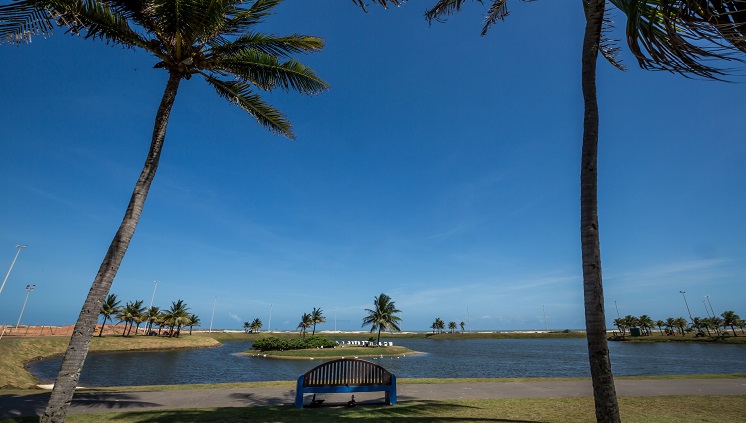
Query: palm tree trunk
(604, 393)
(102, 327)
(77, 349)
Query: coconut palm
(439, 324)
(646, 323)
(621, 324)
(152, 316)
(306, 321)
(108, 309)
(193, 321)
(317, 317)
(256, 324)
(130, 315)
(382, 316)
(214, 39)
(681, 324)
(462, 324)
(246, 326)
(607, 408)
(660, 324)
(452, 326)
(730, 318)
(176, 317)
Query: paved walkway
(29, 405)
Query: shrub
(276, 344)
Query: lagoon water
(492, 358)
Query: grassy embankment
(15, 352)
(689, 337)
(680, 409)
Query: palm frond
(608, 47)
(90, 18)
(268, 44)
(385, 3)
(497, 12)
(241, 19)
(444, 8)
(240, 94)
(22, 20)
(267, 72)
(662, 37)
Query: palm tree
(246, 326)
(452, 326)
(176, 317)
(317, 317)
(214, 39)
(680, 60)
(306, 321)
(660, 324)
(730, 318)
(462, 324)
(440, 324)
(670, 323)
(152, 316)
(680, 323)
(129, 314)
(646, 323)
(256, 324)
(621, 324)
(108, 308)
(382, 316)
(193, 321)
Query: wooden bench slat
(346, 375)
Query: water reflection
(468, 358)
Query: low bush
(276, 344)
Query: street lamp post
(683, 294)
(153, 297)
(269, 326)
(708, 302)
(11, 265)
(617, 310)
(213, 312)
(29, 289)
(707, 312)
(546, 327)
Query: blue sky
(442, 168)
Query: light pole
(617, 310)
(213, 312)
(708, 302)
(29, 288)
(683, 294)
(546, 327)
(269, 326)
(11, 265)
(707, 312)
(153, 297)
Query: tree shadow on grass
(420, 411)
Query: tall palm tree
(686, 57)
(176, 317)
(452, 326)
(382, 316)
(306, 321)
(439, 324)
(621, 324)
(152, 316)
(246, 326)
(730, 318)
(317, 317)
(646, 322)
(108, 309)
(462, 324)
(193, 321)
(660, 324)
(681, 323)
(256, 324)
(215, 39)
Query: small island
(319, 347)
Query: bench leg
(299, 393)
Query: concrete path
(29, 405)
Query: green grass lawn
(682, 409)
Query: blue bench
(346, 375)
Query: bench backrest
(345, 372)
